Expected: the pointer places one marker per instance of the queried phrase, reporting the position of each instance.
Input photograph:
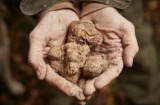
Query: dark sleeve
(119, 4)
(33, 7)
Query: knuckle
(31, 61)
(131, 25)
(127, 26)
(34, 35)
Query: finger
(80, 102)
(114, 69)
(63, 85)
(129, 53)
(82, 82)
(46, 50)
(83, 102)
(89, 87)
(129, 43)
(35, 56)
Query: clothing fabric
(58, 6)
(120, 4)
(33, 7)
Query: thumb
(35, 56)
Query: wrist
(90, 7)
(68, 6)
(64, 16)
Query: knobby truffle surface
(82, 55)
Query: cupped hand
(52, 29)
(119, 39)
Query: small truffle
(94, 66)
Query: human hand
(119, 39)
(51, 30)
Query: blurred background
(18, 82)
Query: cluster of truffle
(82, 55)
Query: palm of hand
(51, 30)
(119, 39)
